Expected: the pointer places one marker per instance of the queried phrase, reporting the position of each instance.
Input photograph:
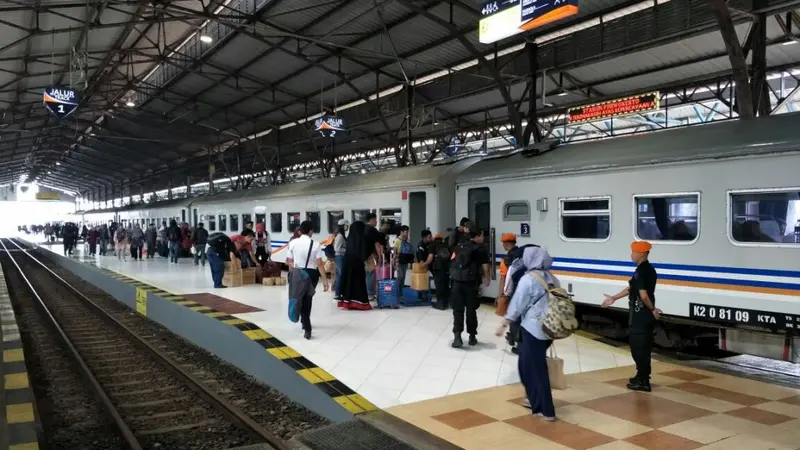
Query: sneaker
(643, 386)
(473, 340)
(307, 334)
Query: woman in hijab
(353, 286)
(530, 303)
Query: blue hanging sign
(452, 145)
(328, 126)
(525, 230)
(61, 101)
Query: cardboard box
(232, 279)
(419, 268)
(233, 266)
(419, 282)
(249, 275)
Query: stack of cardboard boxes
(236, 276)
(419, 277)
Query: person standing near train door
(642, 314)
(468, 265)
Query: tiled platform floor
(688, 409)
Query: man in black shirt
(460, 233)
(642, 314)
(469, 264)
(220, 249)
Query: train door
(479, 209)
(417, 219)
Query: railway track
(114, 380)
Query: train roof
(405, 177)
(178, 202)
(718, 140)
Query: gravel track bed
(71, 416)
(267, 407)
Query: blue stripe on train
(687, 267)
(751, 283)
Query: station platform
(391, 357)
(400, 361)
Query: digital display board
(505, 18)
(613, 108)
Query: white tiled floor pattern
(391, 357)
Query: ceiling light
(58, 163)
(130, 104)
(48, 172)
(562, 93)
(363, 171)
(790, 42)
(206, 39)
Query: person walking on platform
(174, 241)
(151, 236)
(305, 254)
(121, 243)
(642, 313)
(105, 236)
(220, 250)
(200, 240)
(469, 263)
(339, 249)
(528, 306)
(439, 255)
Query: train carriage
(720, 204)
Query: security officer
(460, 233)
(440, 253)
(642, 313)
(468, 264)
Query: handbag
(295, 304)
(555, 370)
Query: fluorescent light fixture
(130, 104)
(562, 93)
(363, 171)
(206, 39)
(58, 163)
(790, 42)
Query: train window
(212, 223)
(223, 223)
(479, 207)
(586, 218)
(517, 211)
(275, 222)
(249, 218)
(315, 219)
(395, 219)
(674, 217)
(766, 217)
(292, 221)
(360, 215)
(333, 220)
(234, 221)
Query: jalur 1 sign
(61, 101)
(505, 18)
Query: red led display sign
(613, 108)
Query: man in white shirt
(304, 254)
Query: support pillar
(169, 189)
(188, 186)
(408, 153)
(758, 69)
(532, 133)
(744, 94)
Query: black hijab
(357, 241)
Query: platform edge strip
(20, 417)
(346, 397)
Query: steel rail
(225, 407)
(124, 430)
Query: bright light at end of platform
(206, 39)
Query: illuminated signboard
(48, 196)
(613, 108)
(328, 126)
(61, 101)
(505, 18)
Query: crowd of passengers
(359, 255)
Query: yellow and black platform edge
(18, 414)
(319, 377)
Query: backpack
(462, 268)
(406, 253)
(441, 256)
(559, 321)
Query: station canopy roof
(170, 89)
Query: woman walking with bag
(530, 303)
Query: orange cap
(641, 246)
(438, 236)
(508, 237)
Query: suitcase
(387, 294)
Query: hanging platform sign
(501, 19)
(61, 101)
(620, 107)
(328, 126)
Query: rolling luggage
(387, 288)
